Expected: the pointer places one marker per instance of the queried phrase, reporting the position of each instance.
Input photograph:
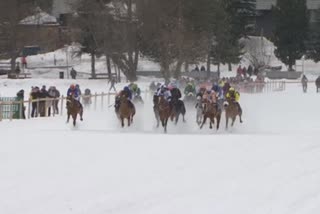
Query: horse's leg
(81, 114)
(233, 120)
(122, 121)
(204, 121)
(165, 124)
(129, 120)
(68, 118)
(74, 119)
(227, 121)
(177, 118)
(218, 121)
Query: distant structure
(62, 10)
(264, 16)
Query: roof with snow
(267, 4)
(40, 18)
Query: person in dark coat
(34, 95)
(250, 70)
(203, 69)
(73, 73)
(20, 97)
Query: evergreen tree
(291, 21)
(241, 15)
(313, 43)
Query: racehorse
(156, 109)
(318, 84)
(232, 111)
(211, 111)
(199, 109)
(164, 110)
(178, 108)
(126, 111)
(73, 109)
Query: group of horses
(165, 110)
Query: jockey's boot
(239, 107)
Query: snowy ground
(268, 165)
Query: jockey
(127, 93)
(135, 90)
(165, 92)
(175, 92)
(234, 96)
(211, 96)
(74, 92)
(218, 90)
(201, 92)
(190, 89)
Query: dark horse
(318, 84)
(178, 108)
(74, 108)
(126, 110)
(232, 111)
(164, 111)
(211, 111)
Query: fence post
(102, 100)
(11, 110)
(95, 101)
(1, 111)
(38, 105)
(21, 109)
(61, 107)
(29, 107)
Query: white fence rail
(42, 106)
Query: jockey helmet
(72, 86)
(232, 89)
(134, 87)
(126, 88)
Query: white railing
(102, 99)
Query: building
(264, 16)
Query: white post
(61, 107)
(29, 107)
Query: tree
(241, 15)
(291, 21)
(11, 13)
(313, 43)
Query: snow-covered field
(268, 165)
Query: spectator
(113, 82)
(197, 68)
(239, 71)
(250, 70)
(20, 97)
(53, 93)
(24, 62)
(73, 73)
(244, 71)
(17, 70)
(203, 69)
(34, 95)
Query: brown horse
(73, 109)
(164, 110)
(126, 110)
(211, 111)
(156, 109)
(232, 111)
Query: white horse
(199, 108)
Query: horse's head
(226, 104)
